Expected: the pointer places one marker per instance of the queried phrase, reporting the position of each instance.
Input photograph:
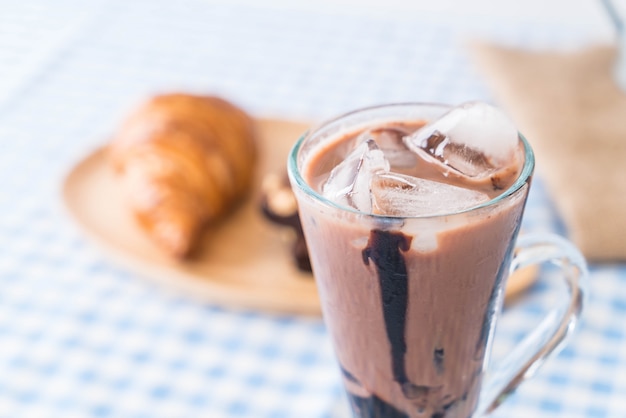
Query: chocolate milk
(410, 302)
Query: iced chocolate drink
(410, 213)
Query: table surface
(81, 336)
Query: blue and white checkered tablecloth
(82, 337)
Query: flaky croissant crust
(183, 161)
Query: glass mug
(411, 302)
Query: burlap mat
(570, 109)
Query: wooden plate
(244, 262)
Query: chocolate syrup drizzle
(384, 249)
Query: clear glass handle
(548, 337)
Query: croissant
(183, 161)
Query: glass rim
(296, 176)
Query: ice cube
(390, 140)
(475, 139)
(349, 182)
(402, 195)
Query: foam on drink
(468, 156)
